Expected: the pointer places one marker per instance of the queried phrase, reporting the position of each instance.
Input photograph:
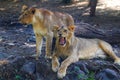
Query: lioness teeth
(62, 41)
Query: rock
(3, 55)
(31, 39)
(17, 61)
(44, 70)
(29, 68)
(75, 73)
(94, 65)
(11, 57)
(12, 70)
(11, 44)
(2, 49)
(82, 66)
(108, 74)
(1, 38)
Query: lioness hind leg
(107, 48)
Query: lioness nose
(60, 35)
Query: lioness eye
(25, 14)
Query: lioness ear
(56, 27)
(32, 10)
(24, 7)
(71, 28)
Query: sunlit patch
(110, 4)
(102, 4)
(2, 9)
(2, 62)
(78, 4)
(29, 45)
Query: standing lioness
(42, 21)
(74, 48)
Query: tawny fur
(77, 48)
(43, 21)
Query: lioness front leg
(38, 45)
(65, 64)
(55, 63)
(48, 46)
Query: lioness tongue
(62, 40)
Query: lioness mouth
(62, 40)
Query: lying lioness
(42, 21)
(77, 48)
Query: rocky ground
(17, 44)
(27, 68)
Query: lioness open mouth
(62, 41)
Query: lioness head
(27, 15)
(63, 34)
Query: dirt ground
(16, 39)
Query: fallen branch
(87, 31)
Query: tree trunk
(87, 31)
(92, 4)
(69, 1)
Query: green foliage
(18, 77)
(91, 76)
(81, 76)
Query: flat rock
(29, 67)
(108, 74)
(3, 55)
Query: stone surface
(108, 74)
(75, 73)
(29, 67)
(31, 39)
(3, 55)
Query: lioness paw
(55, 66)
(117, 61)
(55, 69)
(61, 73)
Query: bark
(69, 1)
(92, 4)
(87, 31)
